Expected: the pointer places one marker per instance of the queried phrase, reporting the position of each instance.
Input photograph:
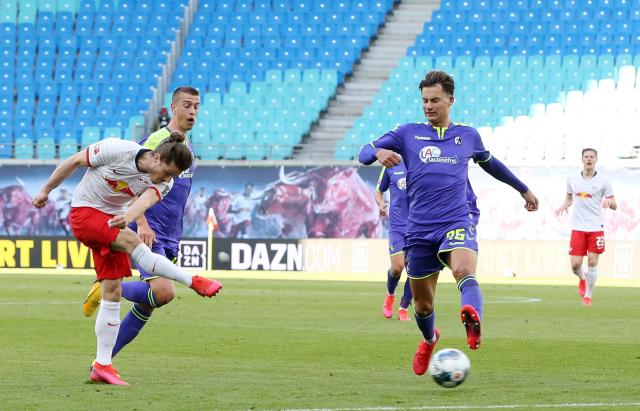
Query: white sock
(107, 327)
(159, 265)
(592, 276)
(578, 272)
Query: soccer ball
(449, 367)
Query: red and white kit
(587, 224)
(106, 190)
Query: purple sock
(392, 283)
(405, 302)
(139, 292)
(426, 324)
(470, 293)
(130, 327)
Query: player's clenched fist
(40, 200)
(387, 157)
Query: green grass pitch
(267, 344)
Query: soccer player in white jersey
(592, 193)
(103, 206)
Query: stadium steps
(398, 33)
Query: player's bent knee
(423, 307)
(164, 297)
(461, 272)
(164, 291)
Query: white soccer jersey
(113, 179)
(587, 201)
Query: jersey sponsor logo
(96, 149)
(422, 138)
(431, 154)
(457, 140)
(119, 187)
(583, 194)
(402, 184)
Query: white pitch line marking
(476, 407)
(514, 300)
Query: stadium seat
(68, 147)
(113, 132)
(24, 148)
(46, 149)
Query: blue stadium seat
(46, 149)
(24, 148)
(68, 147)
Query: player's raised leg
(159, 265)
(463, 263)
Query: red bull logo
(583, 194)
(120, 187)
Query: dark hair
(184, 89)
(439, 77)
(584, 150)
(173, 150)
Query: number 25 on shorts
(457, 234)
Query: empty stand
(532, 76)
(267, 69)
(69, 64)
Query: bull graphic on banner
(323, 202)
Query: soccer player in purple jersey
(394, 179)
(160, 227)
(439, 226)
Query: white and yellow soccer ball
(449, 367)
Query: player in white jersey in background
(592, 193)
(102, 207)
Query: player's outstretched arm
(500, 172)
(61, 173)
(568, 201)
(136, 209)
